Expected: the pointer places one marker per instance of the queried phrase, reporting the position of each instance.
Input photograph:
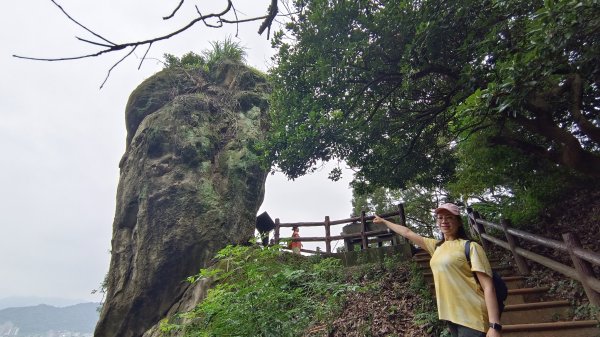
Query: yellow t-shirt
(459, 297)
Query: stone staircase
(526, 313)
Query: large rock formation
(190, 184)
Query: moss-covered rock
(190, 184)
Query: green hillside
(266, 292)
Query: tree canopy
(395, 88)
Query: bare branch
(270, 17)
(94, 43)
(80, 25)
(237, 25)
(144, 57)
(116, 47)
(245, 20)
(174, 11)
(112, 47)
(206, 23)
(108, 50)
(116, 64)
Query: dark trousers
(462, 331)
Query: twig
(144, 57)
(114, 65)
(174, 11)
(80, 25)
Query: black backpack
(501, 289)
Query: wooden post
(276, 233)
(363, 230)
(402, 214)
(472, 229)
(584, 270)
(327, 235)
(480, 230)
(513, 243)
(397, 239)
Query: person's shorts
(462, 331)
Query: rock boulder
(191, 183)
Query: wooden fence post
(480, 230)
(584, 269)
(472, 229)
(276, 233)
(402, 214)
(327, 235)
(363, 229)
(513, 244)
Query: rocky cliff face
(190, 184)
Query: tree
(394, 87)
(503, 184)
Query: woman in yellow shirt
(470, 310)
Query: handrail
(587, 255)
(545, 261)
(581, 258)
(337, 222)
(363, 234)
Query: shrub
(263, 292)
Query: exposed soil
(385, 308)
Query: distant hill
(41, 318)
(29, 301)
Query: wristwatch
(496, 326)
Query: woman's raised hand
(377, 219)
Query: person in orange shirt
(470, 310)
(296, 245)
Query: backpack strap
(468, 251)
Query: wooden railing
(327, 224)
(582, 259)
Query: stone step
(538, 312)
(525, 295)
(553, 329)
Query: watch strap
(496, 326)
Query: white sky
(61, 138)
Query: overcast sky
(61, 138)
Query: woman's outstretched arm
(402, 230)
